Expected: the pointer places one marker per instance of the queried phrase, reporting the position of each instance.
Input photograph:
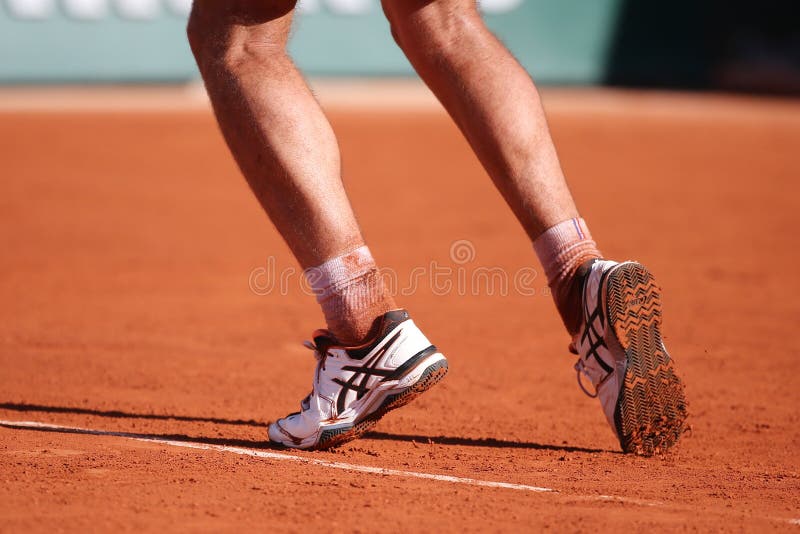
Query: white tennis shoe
(354, 387)
(622, 354)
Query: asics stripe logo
(594, 337)
(362, 374)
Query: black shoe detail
(401, 371)
(594, 336)
(651, 411)
(332, 432)
(363, 373)
(369, 370)
(432, 375)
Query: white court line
(279, 456)
(344, 466)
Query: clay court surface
(130, 244)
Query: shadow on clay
(116, 414)
(480, 442)
(262, 444)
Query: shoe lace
(320, 354)
(580, 368)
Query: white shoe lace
(580, 367)
(319, 355)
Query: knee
(430, 27)
(226, 37)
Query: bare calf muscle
(274, 127)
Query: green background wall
(559, 41)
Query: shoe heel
(431, 376)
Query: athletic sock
(350, 290)
(563, 249)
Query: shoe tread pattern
(651, 411)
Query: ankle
(568, 296)
(353, 313)
(351, 293)
(565, 251)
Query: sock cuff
(563, 233)
(560, 242)
(335, 274)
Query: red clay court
(130, 241)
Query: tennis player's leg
(288, 153)
(497, 107)
(611, 310)
(281, 140)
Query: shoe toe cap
(288, 431)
